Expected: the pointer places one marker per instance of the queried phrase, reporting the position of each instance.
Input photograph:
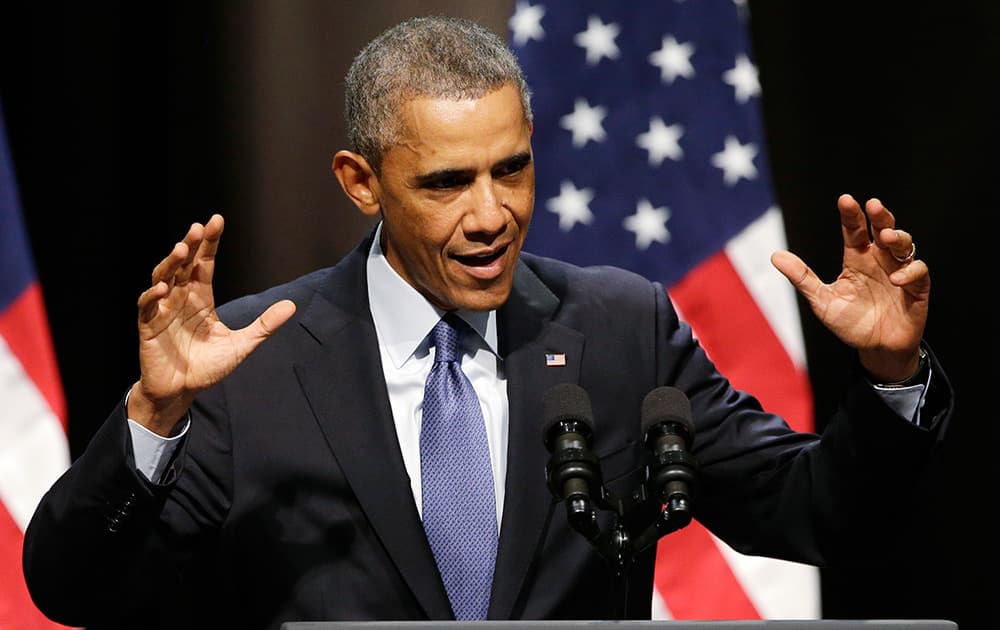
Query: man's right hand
(183, 347)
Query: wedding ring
(908, 257)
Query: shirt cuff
(906, 401)
(152, 452)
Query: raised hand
(183, 346)
(878, 303)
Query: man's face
(456, 196)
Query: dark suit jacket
(289, 499)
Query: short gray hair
(435, 56)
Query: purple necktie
(459, 505)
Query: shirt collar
(403, 317)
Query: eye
(508, 169)
(445, 180)
(512, 166)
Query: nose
(487, 214)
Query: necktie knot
(445, 339)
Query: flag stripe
(17, 611)
(25, 327)
(694, 579)
(732, 328)
(778, 589)
(33, 446)
(749, 252)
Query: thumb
(264, 326)
(274, 317)
(798, 273)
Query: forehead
(440, 130)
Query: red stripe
(694, 579)
(692, 576)
(741, 342)
(17, 611)
(25, 327)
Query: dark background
(129, 121)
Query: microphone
(572, 469)
(669, 430)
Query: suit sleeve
(820, 499)
(104, 545)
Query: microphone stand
(658, 507)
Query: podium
(811, 624)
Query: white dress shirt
(403, 320)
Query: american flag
(33, 445)
(649, 154)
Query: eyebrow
(513, 163)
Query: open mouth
(481, 260)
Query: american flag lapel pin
(555, 359)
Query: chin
(482, 299)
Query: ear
(358, 180)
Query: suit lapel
(527, 335)
(344, 383)
(345, 386)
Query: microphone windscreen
(566, 401)
(667, 404)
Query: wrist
(160, 417)
(917, 378)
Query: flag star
(673, 59)
(585, 122)
(598, 40)
(649, 224)
(526, 23)
(661, 141)
(736, 161)
(571, 205)
(743, 77)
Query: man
(243, 484)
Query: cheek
(428, 237)
(423, 224)
(522, 205)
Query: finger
(170, 266)
(880, 218)
(798, 273)
(915, 277)
(213, 232)
(205, 267)
(193, 239)
(149, 302)
(165, 270)
(899, 243)
(853, 223)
